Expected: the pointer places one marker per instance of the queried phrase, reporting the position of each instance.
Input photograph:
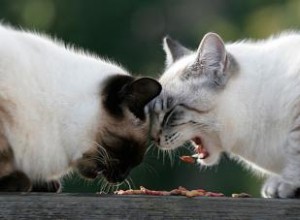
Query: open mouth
(201, 151)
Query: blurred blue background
(130, 32)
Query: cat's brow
(167, 115)
(193, 109)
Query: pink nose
(156, 139)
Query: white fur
(260, 102)
(253, 116)
(53, 95)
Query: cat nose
(156, 139)
(155, 136)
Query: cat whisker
(132, 182)
(107, 186)
(128, 183)
(150, 147)
(101, 150)
(102, 183)
(116, 187)
(149, 168)
(95, 158)
(163, 156)
(199, 126)
(110, 187)
(158, 154)
(99, 182)
(103, 190)
(119, 184)
(188, 146)
(171, 156)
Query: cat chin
(211, 160)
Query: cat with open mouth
(240, 98)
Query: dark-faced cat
(62, 109)
(241, 98)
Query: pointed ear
(211, 60)
(121, 91)
(139, 93)
(174, 50)
(211, 53)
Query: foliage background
(130, 32)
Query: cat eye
(166, 117)
(175, 114)
(172, 115)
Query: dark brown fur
(120, 143)
(121, 140)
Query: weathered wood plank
(88, 206)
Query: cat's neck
(258, 103)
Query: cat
(242, 98)
(62, 109)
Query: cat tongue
(202, 152)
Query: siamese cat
(241, 98)
(63, 109)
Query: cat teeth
(203, 156)
(202, 152)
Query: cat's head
(122, 137)
(187, 108)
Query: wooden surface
(91, 206)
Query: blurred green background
(130, 32)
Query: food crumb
(241, 195)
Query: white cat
(242, 98)
(62, 108)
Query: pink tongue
(202, 152)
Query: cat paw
(17, 181)
(51, 186)
(276, 187)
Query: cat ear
(139, 93)
(174, 50)
(121, 91)
(211, 57)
